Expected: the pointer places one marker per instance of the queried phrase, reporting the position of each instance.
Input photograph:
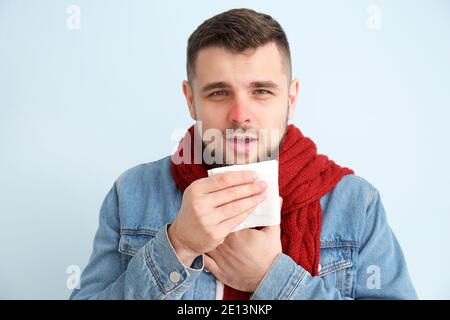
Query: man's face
(239, 94)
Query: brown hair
(236, 30)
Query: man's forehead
(222, 56)
(216, 64)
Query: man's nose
(240, 112)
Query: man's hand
(245, 256)
(211, 208)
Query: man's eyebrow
(254, 84)
(264, 84)
(215, 85)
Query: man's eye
(218, 93)
(262, 92)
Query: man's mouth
(242, 139)
(241, 143)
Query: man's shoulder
(147, 196)
(345, 207)
(153, 172)
(354, 188)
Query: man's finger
(225, 180)
(238, 207)
(227, 226)
(227, 195)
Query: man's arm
(379, 247)
(155, 272)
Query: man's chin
(240, 159)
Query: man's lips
(241, 144)
(242, 139)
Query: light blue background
(78, 107)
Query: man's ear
(293, 96)
(187, 91)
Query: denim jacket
(132, 258)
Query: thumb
(272, 229)
(281, 202)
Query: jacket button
(174, 277)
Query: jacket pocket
(131, 241)
(336, 267)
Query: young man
(166, 227)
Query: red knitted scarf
(304, 177)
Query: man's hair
(237, 30)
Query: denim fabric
(132, 258)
